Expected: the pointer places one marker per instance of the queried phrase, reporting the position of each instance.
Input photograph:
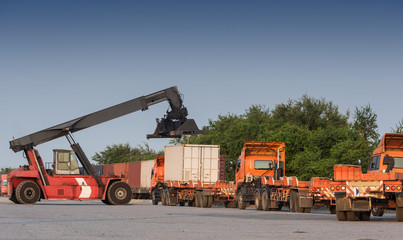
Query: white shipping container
(190, 162)
(145, 178)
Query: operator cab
(65, 162)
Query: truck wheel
(191, 203)
(265, 200)
(292, 204)
(341, 216)
(377, 212)
(210, 201)
(332, 209)
(119, 193)
(198, 199)
(353, 216)
(163, 199)
(154, 198)
(241, 202)
(399, 214)
(204, 201)
(28, 192)
(258, 201)
(14, 199)
(106, 202)
(365, 216)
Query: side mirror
(390, 161)
(230, 166)
(359, 162)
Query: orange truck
(3, 184)
(260, 180)
(192, 174)
(358, 194)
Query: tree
(6, 170)
(365, 123)
(399, 127)
(119, 153)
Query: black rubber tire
(241, 202)
(292, 204)
(399, 214)
(265, 201)
(14, 199)
(332, 209)
(204, 201)
(28, 192)
(210, 202)
(119, 193)
(106, 202)
(377, 212)
(258, 201)
(198, 199)
(154, 200)
(365, 216)
(341, 216)
(163, 198)
(353, 216)
(191, 203)
(181, 204)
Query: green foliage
(5, 170)
(118, 153)
(316, 135)
(399, 127)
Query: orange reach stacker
(29, 183)
(358, 194)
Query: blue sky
(61, 60)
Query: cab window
(263, 164)
(374, 164)
(398, 162)
(238, 165)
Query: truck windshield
(263, 164)
(398, 162)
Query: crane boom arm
(177, 114)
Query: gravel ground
(141, 220)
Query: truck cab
(388, 155)
(260, 158)
(157, 179)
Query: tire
(332, 209)
(377, 212)
(14, 199)
(119, 193)
(163, 198)
(27, 192)
(265, 201)
(353, 216)
(191, 203)
(341, 216)
(182, 204)
(210, 202)
(241, 202)
(198, 199)
(292, 201)
(258, 201)
(399, 214)
(365, 216)
(154, 200)
(204, 201)
(106, 202)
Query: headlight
(343, 188)
(387, 188)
